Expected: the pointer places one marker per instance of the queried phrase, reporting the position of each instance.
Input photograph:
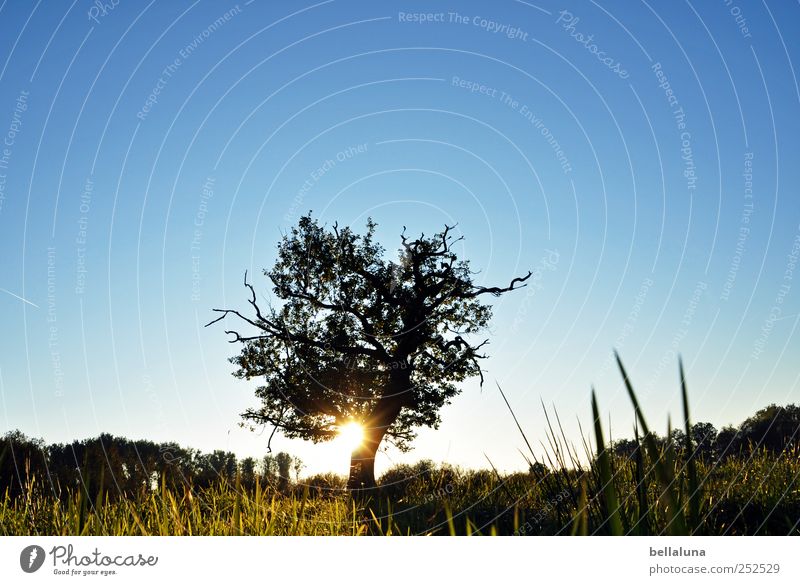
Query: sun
(351, 435)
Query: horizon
(613, 440)
(158, 153)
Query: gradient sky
(657, 223)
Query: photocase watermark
(67, 562)
(52, 324)
(547, 263)
(489, 25)
(439, 493)
(539, 125)
(164, 449)
(744, 227)
(101, 9)
(522, 109)
(206, 194)
(9, 139)
(172, 68)
(31, 558)
(777, 305)
(630, 323)
(353, 362)
(687, 155)
(80, 239)
(318, 173)
(421, 17)
(568, 22)
(679, 116)
(669, 357)
(478, 21)
(155, 92)
(542, 513)
(738, 17)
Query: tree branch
(497, 291)
(273, 330)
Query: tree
(625, 448)
(22, 463)
(677, 440)
(247, 473)
(269, 471)
(297, 466)
(359, 338)
(704, 435)
(285, 462)
(215, 467)
(728, 442)
(773, 428)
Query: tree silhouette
(284, 470)
(773, 428)
(357, 337)
(247, 473)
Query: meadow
(671, 485)
(758, 494)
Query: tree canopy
(354, 336)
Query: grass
(655, 490)
(754, 495)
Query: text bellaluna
(677, 552)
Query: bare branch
(497, 291)
(262, 418)
(369, 331)
(274, 330)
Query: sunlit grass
(655, 490)
(753, 495)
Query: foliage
(354, 336)
(117, 467)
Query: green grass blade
(514, 416)
(607, 487)
(580, 523)
(450, 523)
(677, 525)
(643, 520)
(691, 463)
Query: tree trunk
(362, 467)
(362, 461)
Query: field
(755, 495)
(746, 483)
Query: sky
(640, 158)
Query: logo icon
(31, 558)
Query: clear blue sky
(641, 159)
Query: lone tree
(357, 338)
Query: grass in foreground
(756, 495)
(658, 488)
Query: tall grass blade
(643, 520)
(677, 525)
(607, 488)
(694, 484)
(514, 416)
(580, 523)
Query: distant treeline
(120, 467)
(773, 429)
